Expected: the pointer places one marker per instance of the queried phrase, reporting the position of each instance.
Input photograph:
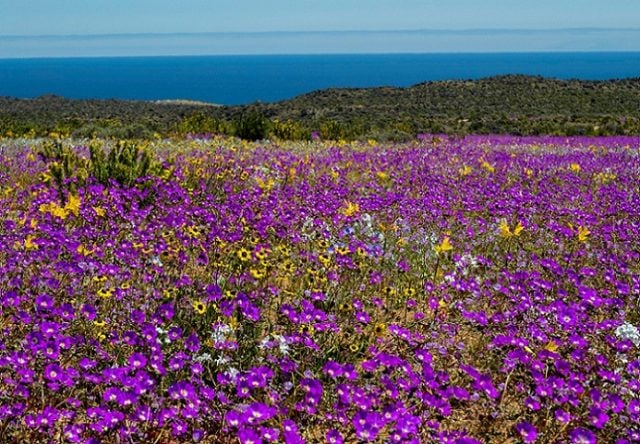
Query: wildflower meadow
(442, 290)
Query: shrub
(252, 125)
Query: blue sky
(108, 17)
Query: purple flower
(527, 431)
(581, 435)
(258, 412)
(53, 372)
(270, 434)
(633, 408)
(192, 343)
(44, 302)
(290, 434)
(234, 418)
(597, 417)
(333, 369)
(562, 416)
(178, 428)
(334, 437)
(137, 360)
(467, 440)
(89, 311)
(73, 432)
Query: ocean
(232, 80)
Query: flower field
(484, 290)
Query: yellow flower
(193, 231)
(233, 322)
(105, 293)
(506, 232)
(389, 291)
(583, 233)
(54, 209)
(488, 167)
(200, 307)
(73, 204)
(518, 229)
(258, 273)
(380, 329)
(169, 293)
(552, 346)
(84, 250)
(465, 170)
(350, 208)
(288, 266)
(409, 292)
(444, 246)
(262, 253)
(59, 211)
(265, 185)
(244, 254)
(324, 259)
(29, 244)
(604, 177)
(575, 167)
(307, 330)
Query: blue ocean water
(234, 80)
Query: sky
(26, 21)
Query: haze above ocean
(232, 80)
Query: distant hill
(505, 104)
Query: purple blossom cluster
(457, 291)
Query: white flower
(222, 360)
(205, 357)
(220, 333)
(264, 343)
(155, 260)
(232, 372)
(630, 332)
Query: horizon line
(324, 54)
(343, 31)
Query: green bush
(125, 163)
(289, 130)
(252, 125)
(201, 123)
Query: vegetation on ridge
(514, 104)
